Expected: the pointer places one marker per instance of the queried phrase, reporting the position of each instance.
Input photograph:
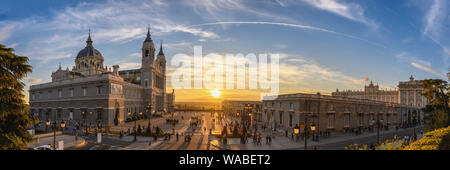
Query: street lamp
(248, 109)
(414, 118)
(296, 131)
(90, 113)
(148, 110)
(54, 127)
(318, 116)
(135, 124)
(378, 121)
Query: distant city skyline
(324, 44)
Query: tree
(437, 109)
(14, 117)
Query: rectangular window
(59, 93)
(290, 119)
(281, 118)
(99, 90)
(99, 115)
(331, 121)
(71, 92)
(49, 94)
(84, 91)
(32, 96)
(291, 105)
(347, 120)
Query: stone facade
(410, 93)
(334, 114)
(95, 94)
(236, 108)
(371, 92)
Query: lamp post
(318, 116)
(313, 129)
(148, 111)
(248, 109)
(135, 125)
(296, 131)
(54, 127)
(414, 118)
(86, 120)
(306, 132)
(378, 121)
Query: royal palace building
(97, 94)
(335, 114)
(408, 93)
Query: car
(43, 147)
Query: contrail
(293, 26)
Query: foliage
(434, 140)
(14, 117)
(437, 110)
(390, 144)
(356, 147)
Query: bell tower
(148, 57)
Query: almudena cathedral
(107, 96)
(348, 110)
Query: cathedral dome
(89, 50)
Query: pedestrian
(259, 139)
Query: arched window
(146, 83)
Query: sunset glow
(216, 93)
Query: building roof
(89, 50)
(130, 71)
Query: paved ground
(202, 140)
(69, 140)
(335, 142)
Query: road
(200, 139)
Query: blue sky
(325, 44)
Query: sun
(216, 93)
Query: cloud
(227, 10)
(434, 17)
(33, 80)
(299, 26)
(129, 66)
(6, 31)
(350, 11)
(110, 22)
(428, 68)
(420, 64)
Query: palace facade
(408, 93)
(334, 114)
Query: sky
(324, 44)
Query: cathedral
(99, 95)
